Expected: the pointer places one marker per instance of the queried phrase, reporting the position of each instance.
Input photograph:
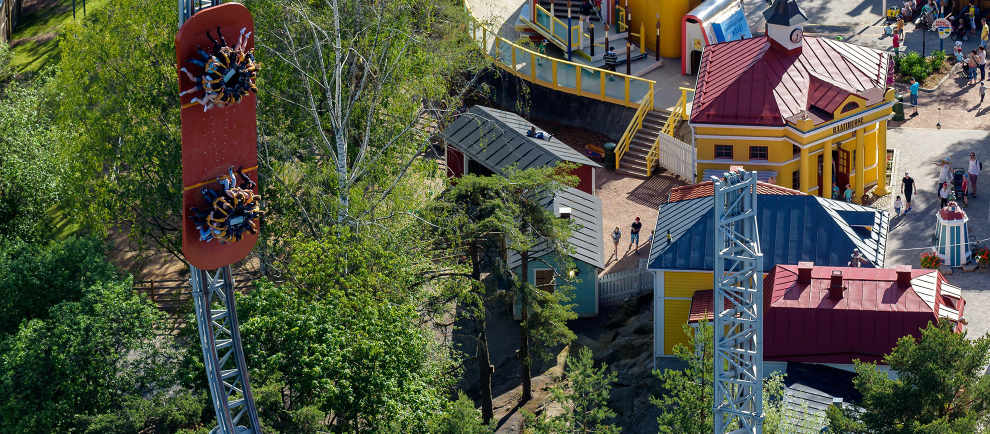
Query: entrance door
(843, 159)
(821, 179)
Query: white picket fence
(677, 157)
(615, 288)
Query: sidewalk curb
(952, 71)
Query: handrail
(634, 125)
(554, 21)
(679, 114)
(564, 76)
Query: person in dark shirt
(907, 188)
(611, 59)
(634, 235)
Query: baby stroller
(908, 10)
(926, 17)
(959, 185)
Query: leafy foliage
(461, 417)
(34, 278)
(688, 397)
(583, 397)
(31, 173)
(940, 387)
(88, 358)
(913, 65)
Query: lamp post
(657, 44)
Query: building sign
(733, 28)
(847, 126)
(943, 27)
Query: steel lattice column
(188, 8)
(223, 356)
(738, 305)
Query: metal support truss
(223, 356)
(188, 8)
(738, 310)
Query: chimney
(903, 276)
(835, 286)
(565, 212)
(804, 272)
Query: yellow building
(794, 227)
(789, 106)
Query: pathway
(918, 147)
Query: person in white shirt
(975, 166)
(944, 171)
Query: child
(897, 45)
(983, 91)
(616, 236)
(897, 206)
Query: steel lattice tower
(738, 305)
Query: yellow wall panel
(675, 315)
(683, 284)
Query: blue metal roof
(586, 240)
(792, 229)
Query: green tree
(34, 277)
(688, 398)
(461, 417)
(342, 346)
(473, 216)
(940, 387)
(115, 97)
(583, 397)
(31, 172)
(544, 314)
(92, 357)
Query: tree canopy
(940, 387)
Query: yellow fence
(558, 29)
(634, 125)
(561, 75)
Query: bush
(913, 65)
(34, 278)
(936, 61)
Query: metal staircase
(633, 162)
(560, 9)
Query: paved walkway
(918, 148)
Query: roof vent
(804, 272)
(835, 285)
(564, 212)
(904, 276)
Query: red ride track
(215, 140)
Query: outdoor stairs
(633, 162)
(560, 10)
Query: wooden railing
(634, 125)
(563, 76)
(676, 116)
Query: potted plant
(981, 255)
(930, 260)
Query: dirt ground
(954, 105)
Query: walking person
(634, 234)
(981, 62)
(616, 236)
(907, 189)
(835, 191)
(983, 92)
(897, 206)
(896, 43)
(848, 194)
(975, 167)
(971, 63)
(943, 194)
(984, 34)
(914, 95)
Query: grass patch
(35, 42)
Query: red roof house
(745, 82)
(838, 314)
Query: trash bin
(609, 155)
(899, 109)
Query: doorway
(843, 159)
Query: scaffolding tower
(738, 306)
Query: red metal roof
(705, 189)
(802, 323)
(748, 82)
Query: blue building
(587, 252)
